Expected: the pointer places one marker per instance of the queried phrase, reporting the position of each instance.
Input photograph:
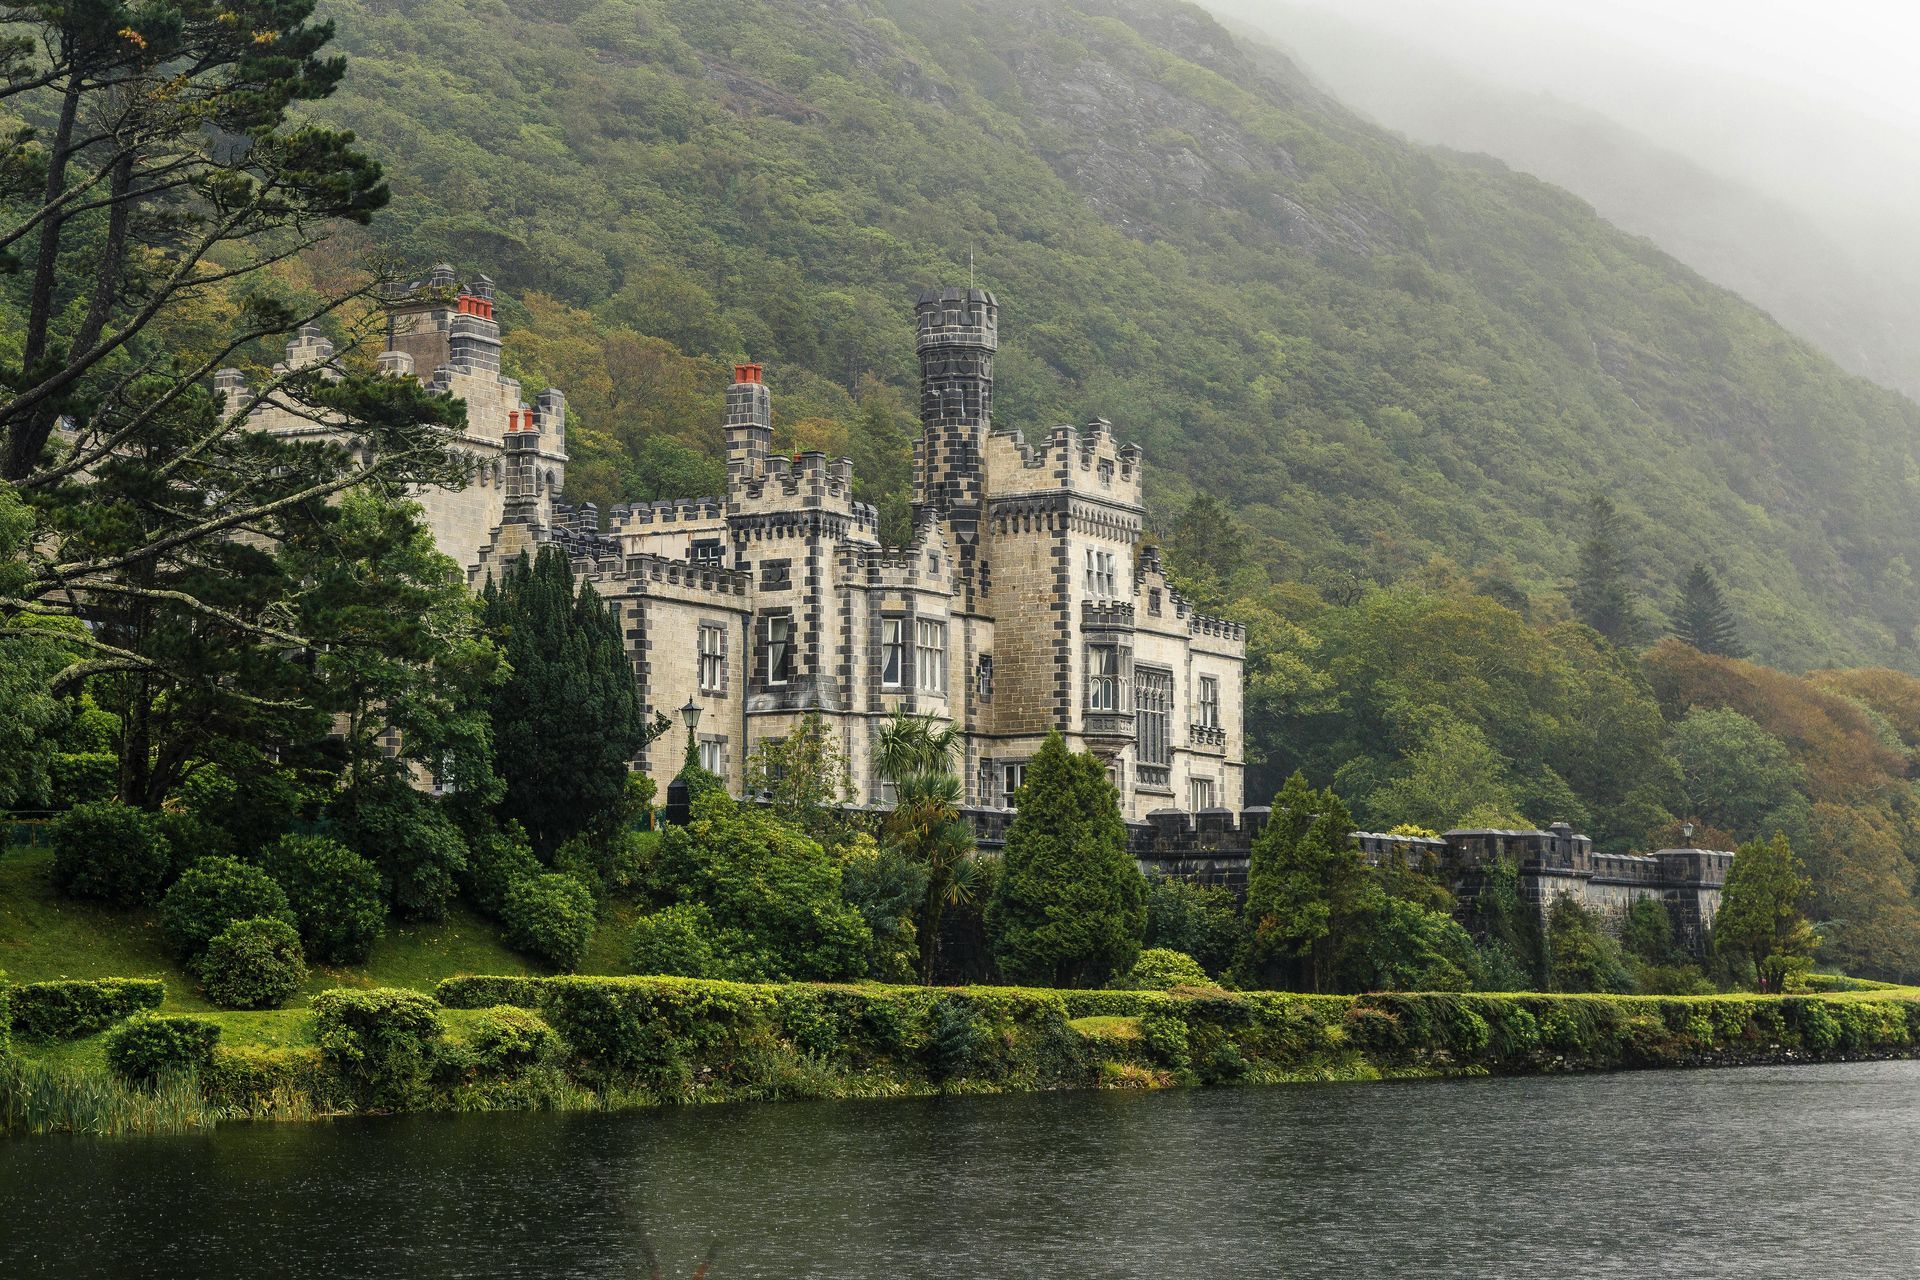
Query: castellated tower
(958, 330)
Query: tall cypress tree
(1601, 596)
(1703, 619)
(568, 720)
(1304, 881)
(1071, 906)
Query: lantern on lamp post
(679, 796)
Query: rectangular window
(709, 551)
(893, 653)
(1011, 776)
(984, 682)
(1103, 678)
(713, 658)
(1106, 474)
(930, 652)
(1200, 794)
(713, 755)
(1103, 578)
(1153, 602)
(779, 648)
(1209, 702)
(1153, 715)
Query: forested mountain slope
(1859, 306)
(1372, 352)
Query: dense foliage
(147, 1047)
(71, 1008)
(335, 895)
(253, 964)
(112, 852)
(1371, 352)
(212, 894)
(1070, 906)
(550, 917)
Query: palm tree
(916, 755)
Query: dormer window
(933, 563)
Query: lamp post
(679, 796)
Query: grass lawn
(44, 936)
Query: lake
(1804, 1171)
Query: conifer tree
(1601, 596)
(1303, 878)
(1703, 619)
(1071, 906)
(568, 720)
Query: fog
(1772, 145)
(1815, 103)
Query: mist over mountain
(1375, 353)
(1854, 293)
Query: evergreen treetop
(1602, 597)
(1703, 618)
(1070, 907)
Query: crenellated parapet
(1088, 461)
(626, 516)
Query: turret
(749, 425)
(958, 332)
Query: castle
(1024, 602)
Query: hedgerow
(147, 1047)
(69, 1009)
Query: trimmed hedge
(382, 1043)
(486, 992)
(147, 1046)
(253, 964)
(69, 1009)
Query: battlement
(956, 318)
(1106, 615)
(716, 579)
(627, 516)
(809, 481)
(1087, 461)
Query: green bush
(954, 1041)
(69, 1009)
(1157, 969)
(1200, 919)
(1165, 1034)
(6, 1017)
(550, 917)
(496, 862)
(506, 1041)
(193, 836)
(148, 1046)
(212, 894)
(335, 895)
(253, 964)
(485, 992)
(83, 777)
(381, 1042)
(111, 852)
(676, 941)
(421, 854)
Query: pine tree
(1071, 906)
(1703, 619)
(1601, 596)
(568, 721)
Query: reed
(39, 1098)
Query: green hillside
(1375, 353)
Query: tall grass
(37, 1098)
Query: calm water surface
(1806, 1171)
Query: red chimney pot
(746, 373)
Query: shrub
(550, 917)
(676, 941)
(953, 1041)
(148, 1046)
(67, 1010)
(496, 862)
(485, 992)
(335, 896)
(1157, 969)
(381, 1042)
(212, 894)
(253, 964)
(83, 777)
(505, 1041)
(111, 852)
(193, 836)
(1165, 1034)
(6, 1018)
(420, 853)
(1202, 920)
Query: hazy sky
(1816, 100)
